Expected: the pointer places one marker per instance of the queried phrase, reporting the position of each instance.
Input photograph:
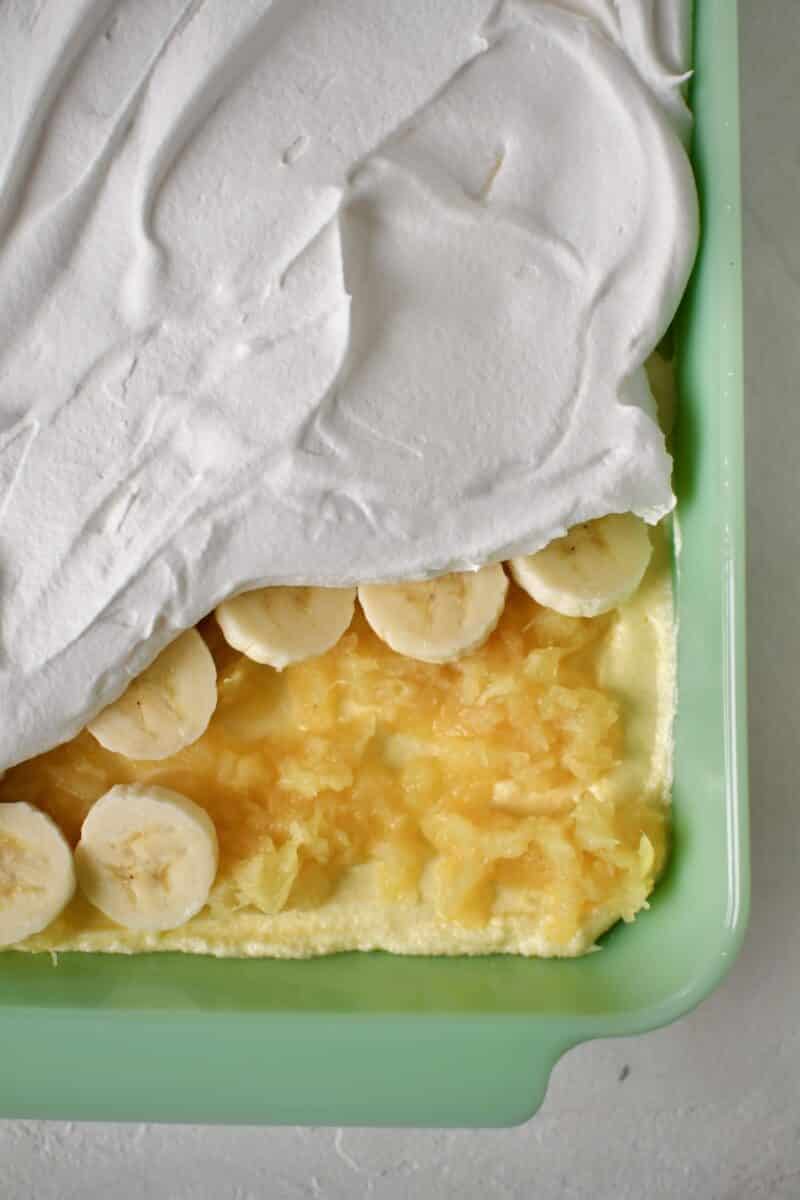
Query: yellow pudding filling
(515, 800)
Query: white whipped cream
(316, 291)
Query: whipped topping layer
(316, 291)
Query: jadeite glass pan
(372, 1039)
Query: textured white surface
(279, 389)
(707, 1109)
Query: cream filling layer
(316, 293)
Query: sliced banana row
(591, 570)
(147, 858)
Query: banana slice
(37, 875)
(167, 708)
(437, 620)
(147, 857)
(282, 625)
(591, 570)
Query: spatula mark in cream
(43, 248)
(206, 87)
(14, 450)
(494, 171)
(51, 76)
(295, 150)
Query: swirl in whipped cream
(325, 292)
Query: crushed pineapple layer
(519, 793)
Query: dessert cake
(335, 604)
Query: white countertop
(708, 1109)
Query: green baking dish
(379, 1040)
